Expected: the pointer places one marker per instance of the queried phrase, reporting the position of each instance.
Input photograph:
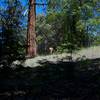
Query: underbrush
(62, 81)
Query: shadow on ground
(62, 81)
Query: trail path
(90, 53)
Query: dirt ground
(86, 53)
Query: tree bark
(31, 35)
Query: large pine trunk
(31, 35)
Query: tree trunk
(31, 35)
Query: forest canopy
(66, 25)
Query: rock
(17, 62)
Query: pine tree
(11, 26)
(31, 35)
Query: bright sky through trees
(39, 9)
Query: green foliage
(44, 34)
(68, 25)
(96, 40)
(12, 28)
(62, 48)
(72, 22)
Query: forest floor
(85, 53)
(58, 79)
